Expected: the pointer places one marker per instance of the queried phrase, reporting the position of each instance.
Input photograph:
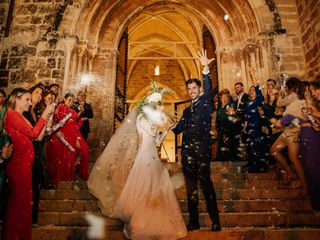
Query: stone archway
(100, 25)
(245, 40)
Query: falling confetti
(97, 226)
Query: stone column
(69, 43)
(81, 51)
(92, 53)
(106, 68)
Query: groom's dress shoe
(191, 227)
(215, 228)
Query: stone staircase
(252, 206)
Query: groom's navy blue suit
(195, 125)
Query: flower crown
(154, 96)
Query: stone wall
(309, 17)
(28, 53)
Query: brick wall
(309, 17)
(170, 75)
(289, 45)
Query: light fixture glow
(157, 70)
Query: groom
(195, 125)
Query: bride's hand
(171, 123)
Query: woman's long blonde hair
(16, 93)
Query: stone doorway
(57, 41)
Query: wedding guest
(54, 87)
(268, 111)
(18, 220)
(67, 145)
(315, 97)
(240, 106)
(48, 97)
(84, 110)
(309, 143)
(37, 168)
(6, 151)
(256, 148)
(225, 125)
(289, 138)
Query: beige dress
(147, 203)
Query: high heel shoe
(286, 181)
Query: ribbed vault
(102, 22)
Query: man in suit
(85, 113)
(240, 103)
(195, 125)
(242, 100)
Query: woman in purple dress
(309, 143)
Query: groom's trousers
(196, 168)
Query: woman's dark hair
(3, 93)
(306, 83)
(224, 92)
(41, 106)
(315, 84)
(295, 85)
(53, 85)
(47, 92)
(272, 80)
(16, 93)
(68, 95)
(38, 85)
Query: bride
(131, 182)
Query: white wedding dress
(147, 203)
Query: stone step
(223, 184)
(224, 205)
(70, 233)
(244, 219)
(249, 233)
(249, 184)
(216, 167)
(218, 176)
(263, 219)
(226, 194)
(60, 194)
(253, 206)
(246, 194)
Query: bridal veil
(110, 172)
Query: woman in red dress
(18, 220)
(61, 157)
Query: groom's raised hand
(202, 56)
